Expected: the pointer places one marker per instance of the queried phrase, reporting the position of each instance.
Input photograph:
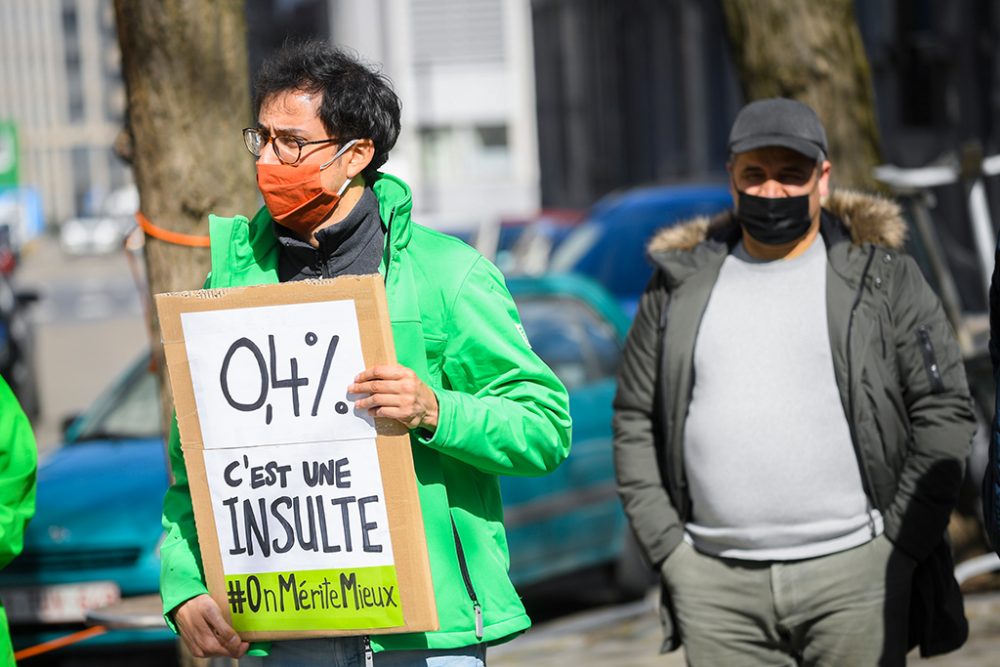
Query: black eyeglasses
(286, 147)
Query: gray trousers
(848, 608)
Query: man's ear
(359, 156)
(732, 180)
(824, 178)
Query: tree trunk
(811, 51)
(185, 68)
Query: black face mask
(773, 221)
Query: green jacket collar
(395, 201)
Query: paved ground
(613, 636)
(630, 635)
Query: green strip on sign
(349, 599)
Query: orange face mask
(295, 195)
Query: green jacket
(18, 461)
(897, 365)
(502, 412)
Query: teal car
(571, 518)
(96, 534)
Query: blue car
(610, 246)
(96, 532)
(96, 535)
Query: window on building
(474, 153)
(457, 31)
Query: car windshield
(128, 409)
(581, 242)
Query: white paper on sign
(276, 374)
(299, 507)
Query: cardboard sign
(307, 510)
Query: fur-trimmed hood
(869, 218)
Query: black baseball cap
(778, 122)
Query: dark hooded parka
(898, 369)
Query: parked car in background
(96, 534)
(572, 518)
(524, 245)
(97, 235)
(105, 231)
(610, 245)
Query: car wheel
(632, 575)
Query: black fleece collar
(353, 246)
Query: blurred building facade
(463, 69)
(644, 91)
(510, 104)
(630, 93)
(60, 82)
(465, 74)
(936, 72)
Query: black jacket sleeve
(991, 480)
(939, 408)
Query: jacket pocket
(434, 349)
(463, 566)
(930, 360)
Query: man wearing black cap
(792, 420)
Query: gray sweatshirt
(771, 469)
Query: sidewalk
(630, 635)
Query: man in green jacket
(478, 402)
(18, 459)
(792, 420)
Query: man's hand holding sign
(206, 632)
(395, 392)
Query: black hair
(358, 101)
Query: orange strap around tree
(60, 642)
(190, 240)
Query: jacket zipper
(463, 567)
(369, 654)
(881, 336)
(865, 480)
(930, 360)
(388, 245)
